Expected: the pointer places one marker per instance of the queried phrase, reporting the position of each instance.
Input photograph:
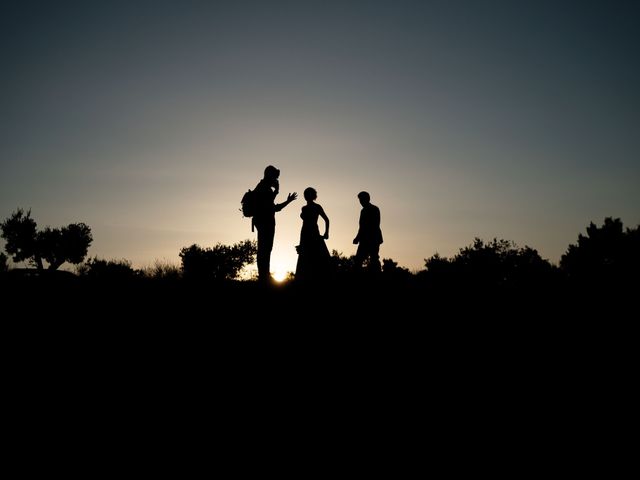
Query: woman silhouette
(313, 254)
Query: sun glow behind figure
(279, 275)
(281, 266)
(280, 270)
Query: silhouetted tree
(53, 245)
(495, 263)
(606, 254)
(20, 233)
(65, 244)
(222, 262)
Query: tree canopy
(52, 245)
(222, 262)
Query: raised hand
(291, 197)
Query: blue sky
(148, 120)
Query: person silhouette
(313, 254)
(369, 237)
(264, 218)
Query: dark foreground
(347, 302)
(372, 327)
(379, 360)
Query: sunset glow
(149, 120)
(279, 276)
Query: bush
(485, 265)
(107, 269)
(162, 271)
(392, 271)
(342, 264)
(222, 262)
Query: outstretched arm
(290, 198)
(326, 223)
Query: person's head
(364, 198)
(310, 194)
(271, 173)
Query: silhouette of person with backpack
(369, 237)
(264, 217)
(313, 255)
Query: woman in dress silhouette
(313, 254)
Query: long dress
(313, 255)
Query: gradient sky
(148, 120)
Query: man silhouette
(264, 218)
(369, 235)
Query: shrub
(107, 269)
(222, 262)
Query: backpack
(249, 203)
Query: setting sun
(279, 276)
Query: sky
(148, 120)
